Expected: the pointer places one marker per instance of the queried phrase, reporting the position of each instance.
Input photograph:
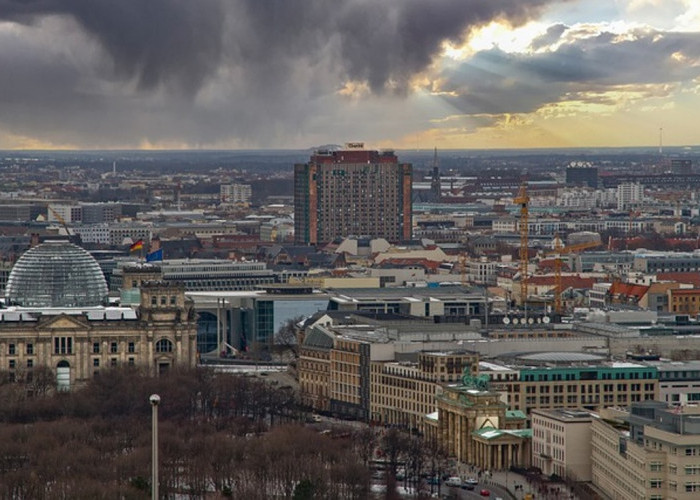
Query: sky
(405, 74)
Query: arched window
(164, 345)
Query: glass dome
(56, 274)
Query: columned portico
(475, 428)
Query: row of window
(64, 345)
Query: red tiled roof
(628, 290)
(680, 277)
(566, 281)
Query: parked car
(472, 481)
(485, 493)
(468, 486)
(454, 481)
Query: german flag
(138, 245)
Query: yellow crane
(523, 200)
(60, 219)
(558, 251)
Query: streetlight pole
(155, 401)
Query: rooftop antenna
(661, 140)
(114, 169)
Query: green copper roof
(489, 433)
(515, 414)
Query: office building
(652, 452)
(403, 393)
(666, 262)
(352, 192)
(583, 386)
(681, 166)
(15, 213)
(561, 443)
(679, 382)
(582, 175)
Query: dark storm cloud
(496, 82)
(218, 68)
(154, 41)
(378, 41)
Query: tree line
(220, 436)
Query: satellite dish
(530, 321)
(515, 321)
(545, 320)
(506, 320)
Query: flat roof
(564, 414)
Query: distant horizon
(315, 148)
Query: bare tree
(285, 342)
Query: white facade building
(629, 194)
(235, 193)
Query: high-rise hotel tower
(352, 192)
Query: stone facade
(77, 344)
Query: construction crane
(523, 200)
(60, 219)
(558, 251)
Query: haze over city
(402, 74)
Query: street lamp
(155, 401)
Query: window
(164, 345)
(13, 363)
(113, 361)
(132, 347)
(154, 300)
(95, 347)
(30, 363)
(11, 349)
(655, 483)
(692, 470)
(30, 349)
(132, 362)
(163, 300)
(655, 467)
(173, 300)
(113, 347)
(63, 345)
(96, 362)
(692, 487)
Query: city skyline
(396, 74)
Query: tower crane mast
(523, 200)
(558, 251)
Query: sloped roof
(628, 290)
(317, 338)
